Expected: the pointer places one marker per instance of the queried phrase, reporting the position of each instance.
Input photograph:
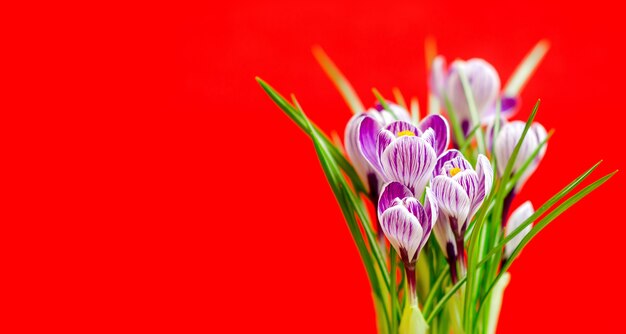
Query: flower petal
(432, 211)
(402, 126)
(442, 132)
(438, 76)
(445, 236)
(368, 133)
(518, 216)
(390, 192)
(403, 231)
(409, 160)
(361, 165)
(449, 155)
(452, 199)
(484, 83)
(506, 141)
(485, 181)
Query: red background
(152, 186)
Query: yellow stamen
(454, 171)
(406, 133)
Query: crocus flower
(518, 216)
(505, 143)
(459, 191)
(406, 153)
(484, 83)
(406, 224)
(366, 126)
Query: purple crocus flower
(366, 126)
(505, 143)
(404, 152)
(485, 86)
(406, 224)
(460, 191)
(518, 216)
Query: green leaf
(457, 131)
(528, 162)
(542, 224)
(294, 115)
(384, 103)
(544, 208)
(475, 241)
(469, 96)
(397, 95)
(339, 80)
(444, 299)
(526, 68)
(341, 192)
(415, 111)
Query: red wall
(153, 186)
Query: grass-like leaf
(442, 302)
(292, 113)
(397, 95)
(526, 68)
(469, 96)
(339, 80)
(474, 239)
(540, 211)
(542, 224)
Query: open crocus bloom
(460, 191)
(518, 216)
(367, 125)
(405, 153)
(484, 83)
(505, 143)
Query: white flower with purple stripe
(484, 84)
(460, 191)
(406, 153)
(505, 143)
(518, 216)
(406, 223)
(360, 136)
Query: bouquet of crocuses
(454, 177)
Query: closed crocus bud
(484, 84)
(518, 216)
(407, 224)
(505, 143)
(360, 136)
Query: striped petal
(441, 129)
(398, 128)
(403, 231)
(390, 192)
(361, 165)
(484, 171)
(368, 134)
(452, 199)
(449, 155)
(432, 211)
(445, 236)
(506, 141)
(518, 216)
(410, 161)
(539, 132)
(484, 84)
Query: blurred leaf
(339, 80)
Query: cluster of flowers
(454, 176)
(419, 185)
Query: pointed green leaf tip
(339, 80)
